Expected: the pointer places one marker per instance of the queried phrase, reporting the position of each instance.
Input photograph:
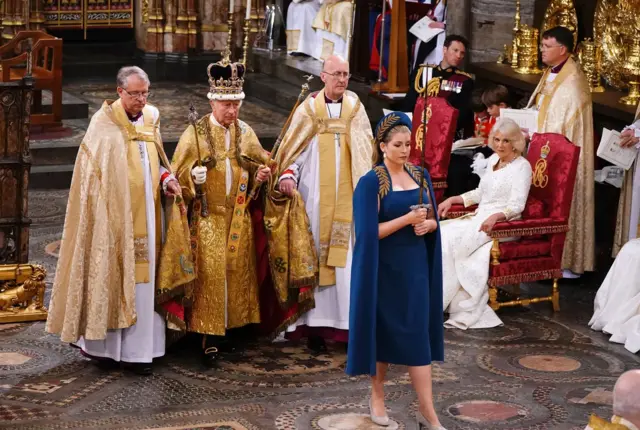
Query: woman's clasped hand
(418, 219)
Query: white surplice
(466, 251)
(332, 302)
(301, 36)
(436, 55)
(617, 303)
(145, 340)
(635, 197)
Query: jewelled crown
(225, 81)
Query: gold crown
(226, 81)
(544, 151)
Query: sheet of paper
(422, 31)
(394, 95)
(527, 119)
(610, 150)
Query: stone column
(154, 34)
(458, 12)
(491, 26)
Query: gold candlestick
(245, 45)
(589, 54)
(516, 36)
(227, 52)
(631, 71)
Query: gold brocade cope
(134, 134)
(623, 220)
(223, 296)
(95, 281)
(293, 255)
(334, 18)
(566, 108)
(336, 209)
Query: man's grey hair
(122, 79)
(626, 396)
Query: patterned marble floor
(538, 371)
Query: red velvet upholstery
(441, 130)
(537, 254)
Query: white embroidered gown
(617, 303)
(466, 251)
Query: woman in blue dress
(396, 278)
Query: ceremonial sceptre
(193, 118)
(422, 84)
(303, 92)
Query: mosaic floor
(539, 371)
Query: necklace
(502, 164)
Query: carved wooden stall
(21, 284)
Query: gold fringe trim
(438, 185)
(303, 308)
(520, 278)
(453, 215)
(515, 232)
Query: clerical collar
(556, 69)
(135, 117)
(327, 100)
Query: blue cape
(361, 358)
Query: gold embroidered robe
(225, 291)
(292, 252)
(104, 242)
(567, 109)
(623, 220)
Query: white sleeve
(519, 193)
(293, 171)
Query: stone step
(72, 107)
(53, 163)
(293, 70)
(272, 90)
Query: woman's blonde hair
(509, 129)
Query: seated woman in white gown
(466, 246)
(617, 303)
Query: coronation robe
(116, 260)
(326, 150)
(628, 220)
(564, 103)
(225, 293)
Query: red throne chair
(537, 255)
(441, 128)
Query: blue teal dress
(396, 311)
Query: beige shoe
(423, 424)
(381, 421)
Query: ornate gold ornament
(590, 57)
(22, 293)
(513, 57)
(615, 27)
(422, 129)
(561, 13)
(528, 51)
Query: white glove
(479, 165)
(199, 175)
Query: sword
(200, 194)
(422, 90)
(305, 87)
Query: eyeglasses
(546, 48)
(136, 95)
(343, 75)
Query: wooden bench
(46, 71)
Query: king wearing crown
(218, 159)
